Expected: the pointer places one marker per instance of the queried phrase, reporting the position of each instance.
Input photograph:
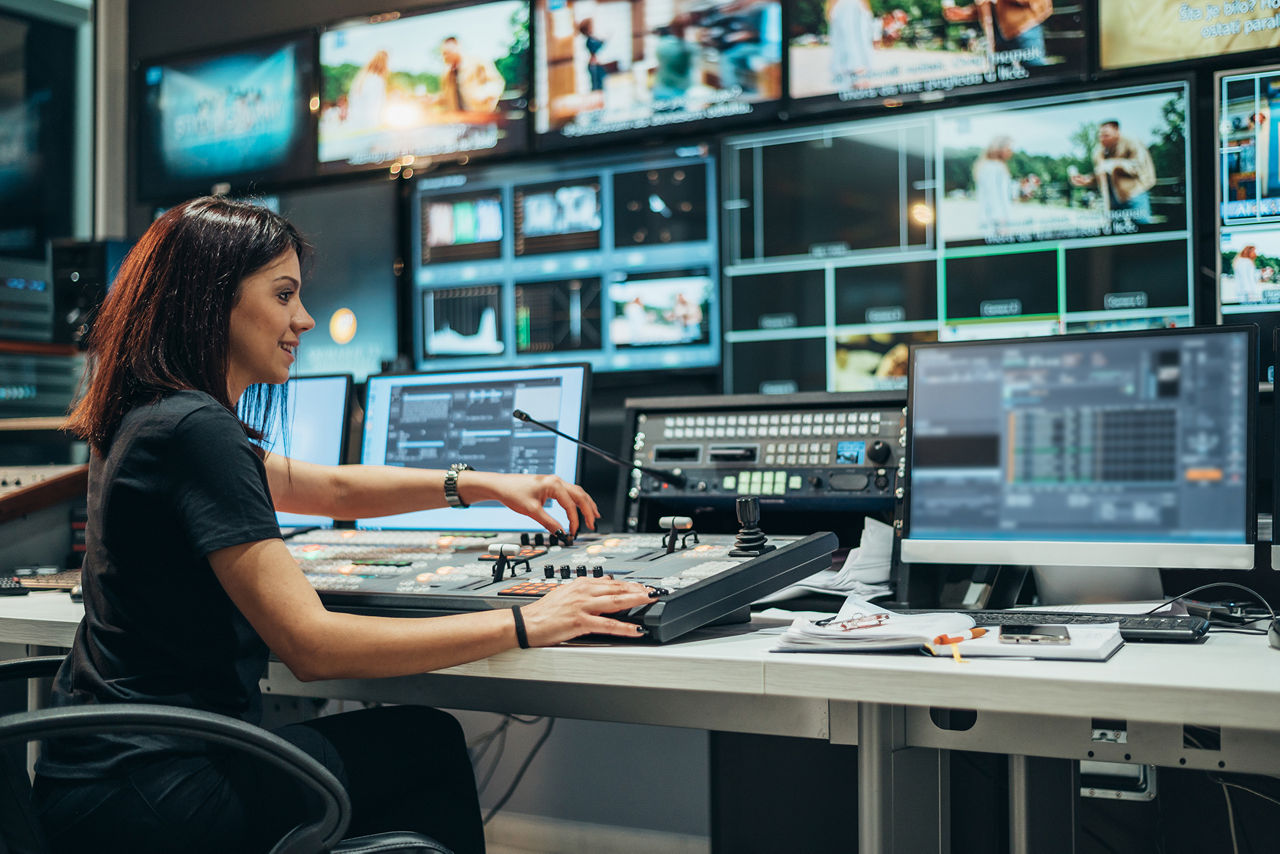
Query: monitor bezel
(1165, 555)
(307, 519)
(1219, 224)
(243, 183)
(583, 411)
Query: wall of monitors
(1148, 32)
(856, 53)
(443, 83)
(238, 115)
(845, 243)
(610, 260)
(618, 66)
(1248, 105)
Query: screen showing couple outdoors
(846, 52)
(628, 65)
(440, 84)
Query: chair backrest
(20, 831)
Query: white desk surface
(1229, 680)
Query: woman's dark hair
(165, 325)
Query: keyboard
(1133, 627)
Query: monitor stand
(1089, 585)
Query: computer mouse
(1273, 634)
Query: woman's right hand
(577, 608)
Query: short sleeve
(219, 488)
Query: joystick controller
(751, 541)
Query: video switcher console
(430, 573)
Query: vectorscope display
(846, 243)
(612, 261)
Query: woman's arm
(359, 492)
(264, 582)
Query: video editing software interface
(846, 243)
(315, 430)
(434, 420)
(607, 260)
(1132, 438)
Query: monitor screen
(1133, 32)
(239, 116)
(1123, 450)
(846, 243)
(612, 260)
(349, 281)
(1248, 193)
(434, 420)
(314, 414)
(446, 83)
(39, 134)
(619, 67)
(852, 53)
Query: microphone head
(520, 415)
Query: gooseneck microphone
(664, 476)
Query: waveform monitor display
(1249, 193)
(237, 116)
(1134, 32)
(611, 259)
(1084, 450)
(434, 420)
(846, 243)
(632, 68)
(449, 82)
(853, 52)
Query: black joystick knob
(879, 452)
(751, 541)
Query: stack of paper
(862, 627)
(865, 572)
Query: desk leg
(1042, 805)
(903, 798)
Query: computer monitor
(994, 220)
(237, 115)
(433, 420)
(611, 260)
(314, 430)
(1153, 32)
(1130, 449)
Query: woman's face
(266, 322)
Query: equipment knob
(748, 510)
(879, 452)
(565, 571)
(582, 570)
(524, 539)
(549, 570)
(815, 482)
(597, 571)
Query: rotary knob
(879, 452)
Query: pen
(962, 636)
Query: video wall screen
(618, 66)
(610, 260)
(846, 243)
(1249, 192)
(239, 116)
(868, 52)
(441, 84)
(37, 136)
(349, 284)
(1142, 32)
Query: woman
(187, 583)
(1245, 269)
(993, 186)
(368, 93)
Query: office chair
(20, 832)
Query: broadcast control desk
(1042, 713)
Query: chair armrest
(37, 667)
(320, 834)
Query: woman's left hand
(528, 494)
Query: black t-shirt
(180, 480)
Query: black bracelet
(521, 637)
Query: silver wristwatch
(451, 485)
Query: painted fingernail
(655, 592)
(641, 630)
